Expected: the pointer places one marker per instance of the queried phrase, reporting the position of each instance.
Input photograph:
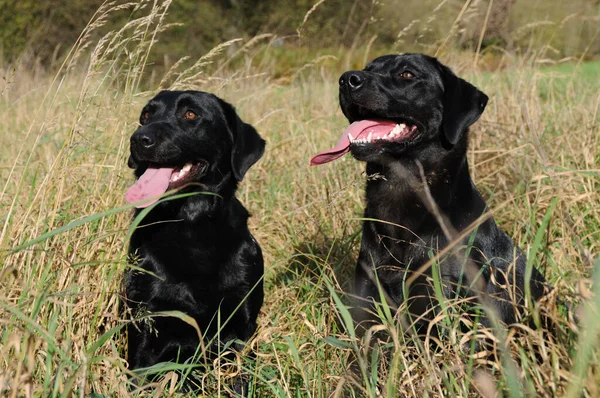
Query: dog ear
(463, 105)
(248, 146)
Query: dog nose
(353, 79)
(144, 139)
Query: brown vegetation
(64, 140)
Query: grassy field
(535, 156)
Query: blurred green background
(44, 31)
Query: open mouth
(157, 180)
(371, 131)
(366, 132)
(182, 175)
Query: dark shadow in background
(322, 254)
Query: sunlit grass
(534, 155)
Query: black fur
(442, 107)
(198, 251)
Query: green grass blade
(537, 247)
(98, 216)
(588, 339)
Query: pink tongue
(358, 130)
(153, 182)
(339, 150)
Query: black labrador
(191, 253)
(409, 118)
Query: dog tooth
(350, 137)
(187, 167)
(370, 137)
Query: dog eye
(189, 115)
(146, 115)
(406, 75)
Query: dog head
(190, 138)
(399, 102)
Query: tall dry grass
(534, 155)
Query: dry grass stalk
(64, 153)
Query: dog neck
(213, 202)
(403, 191)
(209, 202)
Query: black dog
(409, 118)
(192, 254)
